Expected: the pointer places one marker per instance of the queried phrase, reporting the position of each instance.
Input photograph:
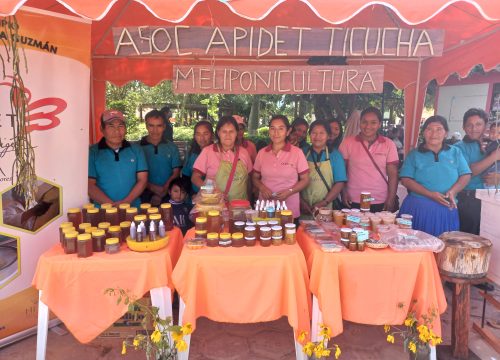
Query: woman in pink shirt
(281, 170)
(225, 162)
(371, 162)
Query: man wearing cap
(163, 159)
(247, 144)
(118, 171)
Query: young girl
(492, 147)
(178, 190)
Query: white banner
(57, 51)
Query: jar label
(352, 218)
(362, 235)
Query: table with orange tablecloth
(73, 288)
(367, 287)
(243, 285)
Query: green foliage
(183, 133)
(263, 131)
(258, 140)
(212, 102)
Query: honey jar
(152, 210)
(265, 232)
(365, 201)
(85, 207)
(250, 232)
(265, 241)
(345, 233)
(237, 239)
(62, 226)
(286, 216)
(250, 241)
(70, 242)
(167, 216)
(200, 234)
(114, 231)
(112, 246)
(213, 239)
(105, 226)
(83, 226)
(102, 210)
(143, 208)
(290, 234)
(98, 240)
(201, 223)
(112, 216)
(130, 214)
(353, 246)
(238, 227)
(91, 229)
(214, 221)
(84, 245)
(122, 211)
(276, 230)
(225, 239)
(125, 228)
(338, 217)
(75, 216)
(93, 216)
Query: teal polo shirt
(116, 171)
(162, 160)
(336, 161)
(435, 172)
(187, 170)
(471, 151)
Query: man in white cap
(247, 144)
(118, 171)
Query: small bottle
(278, 209)
(257, 205)
(139, 236)
(142, 226)
(161, 229)
(152, 231)
(133, 231)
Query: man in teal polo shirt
(118, 171)
(163, 159)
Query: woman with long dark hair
(434, 174)
(336, 133)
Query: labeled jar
(265, 241)
(93, 216)
(125, 228)
(84, 245)
(286, 216)
(62, 226)
(130, 214)
(364, 223)
(353, 246)
(237, 239)
(338, 217)
(201, 223)
(375, 221)
(85, 207)
(112, 246)
(250, 232)
(272, 223)
(143, 208)
(265, 232)
(276, 230)
(200, 234)
(238, 226)
(70, 242)
(290, 234)
(122, 211)
(250, 241)
(167, 215)
(225, 239)
(214, 221)
(365, 201)
(361, 246)
(345, 233)
(353, 238)
(405, 222)
(112, 216)
(114, 231)
(83, 226)
(213, 239)
(75, 216)
(277, 240)
(98, 240)
(262, 213)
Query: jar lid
(83, 226)
(83, 237)
(154, 217)
(106, 206)
(131, 210)
(273, 222)
(124, 206)
(325, 211)
(225, 236)
(265, 238)
(346, 210)
(114, 228)
(200, 232)
(277, 228)
(365, 193)
(145, 206)
(65, 224)
(153, 210)
(111, 210)
(74, 210)
(278, 237)
(125, 224)
(92, 210)
(213, 235)
(249, 238)
(239, 223)
(112, 241)
(355, 210)
(91, 229)
(71, 234)
(262, 223)
(237, 236)
(201, 219)
(88, 206)
(98, 232)
(213, 213)
(103, 225)
(165, 206)
(249, 228)
(290, 226)
(265, 228)
(139, 218)
(239, 203)
(68, 229)
(346, 229)
(250, 223)
(286, 212)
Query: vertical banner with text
(57, 80)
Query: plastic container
(122, 211)
(250, 241)
(112, 246)
(225, 239)
(290, 234)
(265, 241)
(286, 216)
(62, 226)
(214, 221)
(112, 216)
(105, 226)
(130, 213)
(70, 242)
(152, 210)
(75, 216)
(237, 210)
(201, 223)
(125, 228)
(365, 201)
(265, 232)
(277, 240)
(93, 216)
(213, 239)
(98, 240)
(143, 208)
(237, 239)
(84, 245)
(167, 216)
(102, 211)
(114, 231)
(81, 228)
(85, 207)
(250, 232)
(89, 230)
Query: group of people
(330, 171)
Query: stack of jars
(378, 222)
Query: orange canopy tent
(471, 37)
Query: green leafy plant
(164, 342)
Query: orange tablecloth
(244, 285)
(73, 288)
(366, 287)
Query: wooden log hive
(465, 255)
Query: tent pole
(417, 90)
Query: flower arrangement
(319, 348)
(164, 342)
(417, 335)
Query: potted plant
(318, 349)
(162, 343)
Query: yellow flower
(302, 337)
(412, 346)
(387, 328)
(136, 343)
(325, 331)
(124, 348)
(390, 338)
(318, 350)
(337, 352)
(156, 336)
(177, 336)
(409, 322)
(308, 348)
(181, 345)
(187, 329)
(325, 353)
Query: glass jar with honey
(98, 240)
(112, 216)
(214, 221)
(84, 245)
(130, 213)
(83, 226)
(70, 242)
(122, 211)
(93, 216)
(167, 216)
(75, 216)
(143, 208)
(201, 223)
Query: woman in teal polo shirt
(434, 174)
(327, 173)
